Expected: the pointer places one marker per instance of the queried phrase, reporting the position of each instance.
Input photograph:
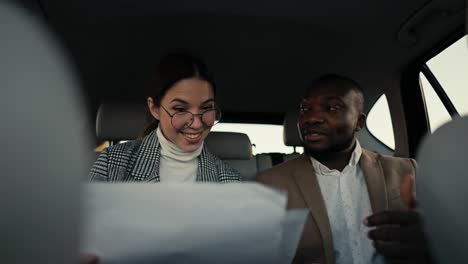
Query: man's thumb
(407, 191)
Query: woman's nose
(197, 122)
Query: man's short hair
(341, 81)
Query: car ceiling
(262, 53)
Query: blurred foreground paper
(190, 223)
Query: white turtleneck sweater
(176, 165)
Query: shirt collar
(353, 161)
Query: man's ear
(153, 108)
(361, 121)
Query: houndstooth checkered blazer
(138, 160)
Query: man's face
(328, 118)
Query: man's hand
(399, 234)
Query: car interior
(263, 54)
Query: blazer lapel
(306, 180)
(147, 159)
(373, 173)
(206, 171)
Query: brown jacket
(383, 176)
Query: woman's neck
(171, 151)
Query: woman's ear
(153, 108)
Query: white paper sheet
(189, 223)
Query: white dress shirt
(175, 164)
(347, 202)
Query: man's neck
(336, 160)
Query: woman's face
(187, 95)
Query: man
(342, 183)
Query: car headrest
(441, 190)
(229, 145)
(290, 131)
(120, 121)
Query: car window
(379, 122)
(449, 67)
(264, 137)
(102, 146)
(436, 111)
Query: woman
(183, 108)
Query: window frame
(439, 90)
(412, 94)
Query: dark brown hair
(172, 68)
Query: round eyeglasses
(184, 119)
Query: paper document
(189, 223)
